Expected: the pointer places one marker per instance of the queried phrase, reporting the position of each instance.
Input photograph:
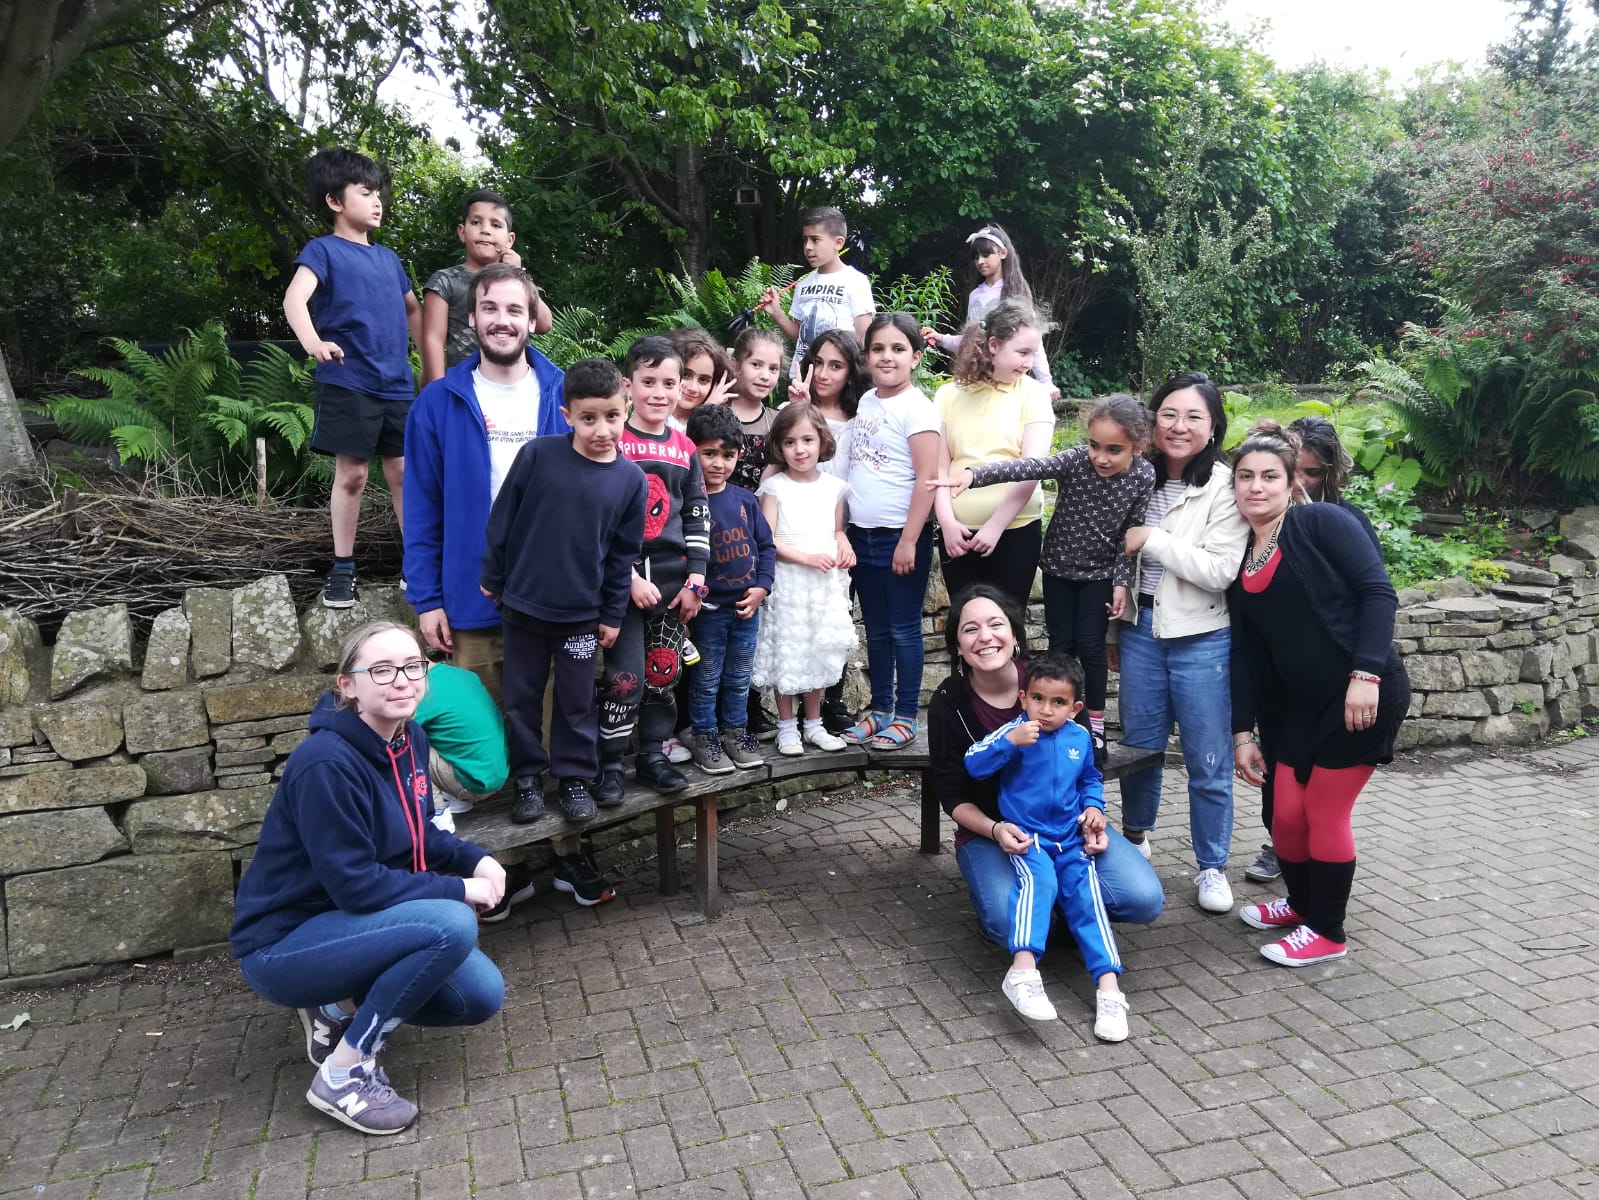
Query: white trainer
(1215, 893)
(788, 742)
(1110, 1023)
(1142, 847)
(1025, 991)
(822, 740)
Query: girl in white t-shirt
(893, 455)
(999, 267)
(832, 376)
(993, 411)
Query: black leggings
(1010, 568)
(1075, 616)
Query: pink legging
(1311, 820)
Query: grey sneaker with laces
(366, 1103)
(709, 755)
(744, 750)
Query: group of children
(686, 517)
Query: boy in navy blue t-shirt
(351, 305)
(738, 577)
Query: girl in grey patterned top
(1102, 489)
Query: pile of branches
(145, 551)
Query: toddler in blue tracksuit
(1052, 821)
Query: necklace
(1257, 562)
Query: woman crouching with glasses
(1315, 670)
(356, 909)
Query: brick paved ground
(841, 1034)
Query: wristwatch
(699, 589)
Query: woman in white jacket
(1172, 644)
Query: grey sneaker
(321, 1034)
(744, 750)
(708, 756)
(1264, 869)
(366, 1103)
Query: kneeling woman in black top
(1314, 664)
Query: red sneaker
(1303, 947)
(1268, 916)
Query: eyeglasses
(1170, 416)
(384, 673)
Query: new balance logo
(352, 1103)
(321, 1034)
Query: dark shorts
(358, 425)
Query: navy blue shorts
(358, 425)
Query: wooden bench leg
(932, 816)
(705, 856)
(666, 850)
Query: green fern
(713, 300)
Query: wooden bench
(490, 824)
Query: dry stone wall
(134, 778)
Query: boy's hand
(645, 594)
(930, 336)
(770, 302)
(1011, 839)
(846, 553)
(1118, 603)
(494, 596)
(956, 483)
(326, 352)
(1093, 826)
(686, 603)
(490, 871)
(750, 602)
(435, 627)
(608, 635)
(1025, 734)
(510, 257)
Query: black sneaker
(660, 775)
(321, 1034)
(575, 799)
(529, 803)
(338, 589)
(608, 792)
(1099, 749)
(579, 878)
(760, 726)
(836, 718)
(518, 887)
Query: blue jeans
(1128, 885)
(719, 685)
(891, 610)
(1185, 679)
(416, 962)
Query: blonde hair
(355, 641)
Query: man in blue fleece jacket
(461, 437)
(1052, 810)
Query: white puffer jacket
(1199, 543)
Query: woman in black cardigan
(1314, 667)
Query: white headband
(989, 232)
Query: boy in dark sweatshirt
(561, 542)
(742, 561)
(668, 582)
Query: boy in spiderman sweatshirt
(642, 667)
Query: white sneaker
(676, 751)
(822, 740)
(1110, 1023)
(1142, 847)
(1025, 991)
(1215, 894)
(788, 742)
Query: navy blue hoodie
(350, 827)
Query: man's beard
(505, 358)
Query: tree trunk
(695, 207)
(16, 451)
(38, 39)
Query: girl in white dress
(807, 633)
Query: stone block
(1582, 545)
(281, 697)
(323, 629)
(166, 654)
(87, 726)
(210, 614)
(1561, 663)
(44, 841)
(1537, 662)
(1511, 729)
(1484, 668)
(1417, 700)
(22, 657)
(1455, 704)
(1434, 644)
(214, 820)
(1526, 573)
(1510, 697)
(165, 721)
(16, 727)
(1411, 596)
(266, 629)
(248, 729)
(1565, 567)
(1510, 638)
(1566, 710)
(287, 743)
(240, 758)
(1579, 649)
(1435, 672)
(119, 909)
(250, 780)
(1557, 686)
(1453, 588)
(937, 598)
(1464, 607)
(1466, 629)
(93, 643)
(1433, 732)
(177, 772)
(71, 788)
